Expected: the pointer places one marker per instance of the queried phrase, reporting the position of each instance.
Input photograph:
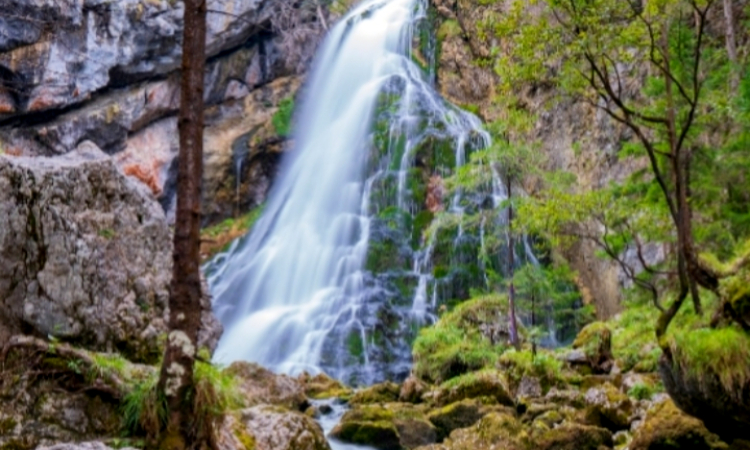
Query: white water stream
(282, 290)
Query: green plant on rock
(282, 118)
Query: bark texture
(176, 380)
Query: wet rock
(665, 426)
(261, 386)
(270, 428)
(85, 256)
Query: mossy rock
(496, 430)
(489, 383)
(571, 436)
(469, 338)
(457, 415)
(595, 339)
(386, 392)
(666, 427)
(385, 426)
(381, 434)
(608, 408)
(412, 390)
(322, 386)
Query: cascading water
(331, 277)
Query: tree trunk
(176, 377)
(511, 288)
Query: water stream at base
(297, 294)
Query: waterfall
(299, 292)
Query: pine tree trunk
(176, 377)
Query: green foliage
(642, 391)
(544, 366)
(282, 119)
(455, 344)
(145, 412)
(707, 352)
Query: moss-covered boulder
(609, 408)
(490, 384)
(666, 427)
(707, 374)
(469, 338)
(261, 386)
(457, 415)
(322, 386)
(572, 436)
(496, 430)
(265, 427)
(531, 374)
(595, 340)
(386, 392)
(385, 426)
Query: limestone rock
(494, 431)
(595, 340)
(322, 386)
(266, 427)
(85, 256)
(569, 436)
(261, 386)
(457, 415)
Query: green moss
(544, 366)
(282, 119)
(591, 337)
(454, 345)
(574, 437)
(666, 427)
(705, 352)
(642, 391)
(246, 439)
(487, 384)
(378, 393)
(7, 425)
(449, 28)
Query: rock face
(85, 255)
(77, 70)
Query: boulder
(489, 383)
(457, 415)
(707, 394)
(322, 386)
(665, 426)
(572, 436)
(267, 427)
(412, 390)
(609, 408)
(390, 426)
(385, 392)
(261, 386)
(496, 430)
(595, 340)
(85, 256)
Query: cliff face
(107, 72)
(575, 137)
